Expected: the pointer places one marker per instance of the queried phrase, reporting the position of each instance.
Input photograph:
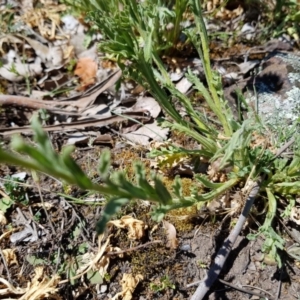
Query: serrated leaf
(177, 187)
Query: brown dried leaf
(129, 283)
(41, 287)
(10, 256)
(136, 228)
(96, 261)
(86, 70)
(3, 220)
(171, 235)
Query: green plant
(7, 19)
(128, 36)
(15, 191)
(43, 158)
(158, 20)
(37, 216)
(284, 18)
(201, 264)
(164, 283)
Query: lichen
(277, 111)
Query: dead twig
(80, 124)
(72, 107)
(247, 291)
(224, 251)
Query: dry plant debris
(136, 228)
(129, 283)
(86, 70)
(40, 287)
(10, 256)
(172, 241)
(96, 262)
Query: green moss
(184, 219)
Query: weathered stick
(224, 251)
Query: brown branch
(224, 251)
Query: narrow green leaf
(272, 206)
(287, 188)
(112, 207)
(163, 194)
(104, 164)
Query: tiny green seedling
(163, 284)
(15, 191)
(201, 264)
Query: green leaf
(82, 248)
(286, 188)
(218, 190)
(104, 164)
(76, 232)
(207, 183)
(72, 273)
(5, 204)
(271, 209)
(148, 46)
(35, 261)
(95, 4)
(112, 207)
(163, 194)
(177, 187)
(94, 277)
(294, 166)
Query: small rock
(103, 288)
